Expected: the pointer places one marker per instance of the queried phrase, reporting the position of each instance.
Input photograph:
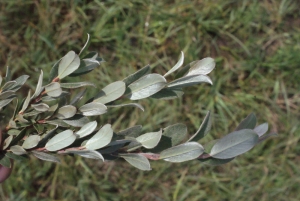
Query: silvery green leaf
(91, 55)
(177, 65)
(92, 154)
(77, 97)
(5, 102)
(146, 86)
(134, 131)
(8, 85)
(41, 107)
(54, 71)
(15, 156)
(7, 141)
(58, 122)
(4, 160)
(76, 85)
(137, 75)
(68, 64)
(49, 134)
(183, 152)
(213, 161)
(46, 157)
(172, 135)
(119, 142)
(248, 123)
(110, 93)
(66, 112)
(93, 109)
(261, 129)
(21, 119)
(13, 132)
(51, 111)
(7, 74)
(133, 145)
(203, 66)
(128, 105)
(7, 95)
(19, 137)
(234, 144)
(110, 149)
(149, 140)
(1, 79)
(189, 81)
(204, 128)
(101, 138)
(86, 66)
(77, 121)
(53, 89)
(87, 129)
(31, 141)
(48, 98)
(176, 132)
(61, 140)
(266, 136)
(167, 94)
(86, 45)
(20, 81)
(39, 86)
(137, 160)
(18, 150)
(26, 103)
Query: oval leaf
(111, 92)
(7, 95)
(189, 81)
(146, 86)
(7, 142)
(87, 154)
(31, 141)
(203, 66)
(183, 152)
(234, 144)
(41, 107)
(128, 105)
(172, 136)
(77, 121)
(137, 160)
(18, 150)
(61, 140)
(261, 129)
(5, 102)
(93, 109)
(137, 75)
(87, 129)
(26, 103)
(66, 112)
(76, 85)
(68, 64)
(39, 85)
(53, 89)
(248, 123)
(134, 131)
(46, 157)
(150, 140)
(177, 65)
(101, 138)
(203, 130)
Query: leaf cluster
(46, 124)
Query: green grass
(256, 45)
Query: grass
(256, 45)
